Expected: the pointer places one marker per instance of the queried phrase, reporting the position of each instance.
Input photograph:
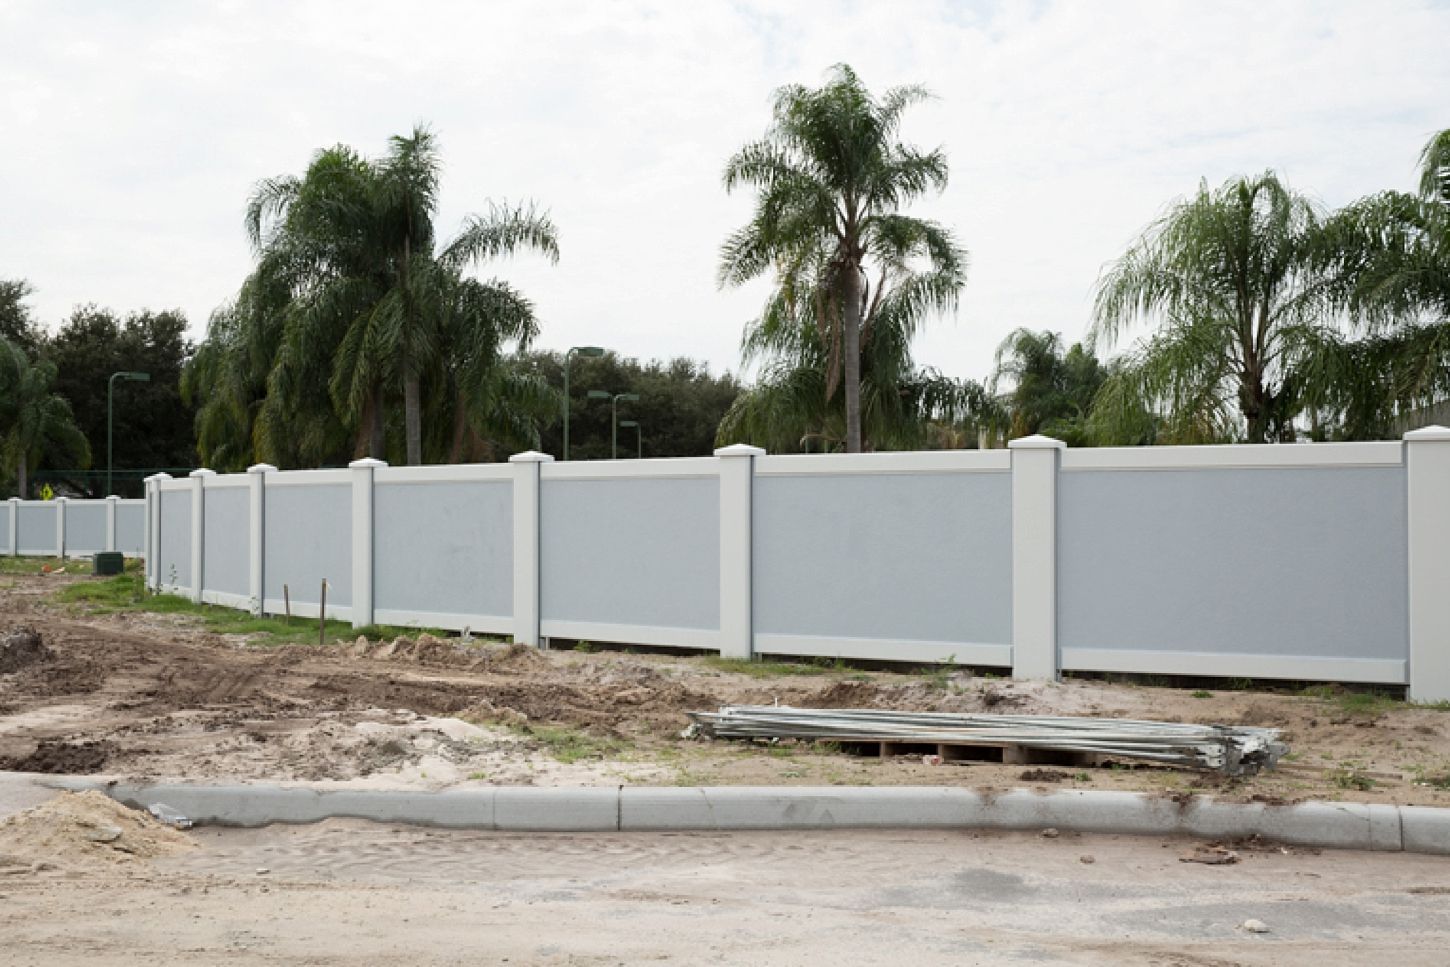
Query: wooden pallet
(959, 752)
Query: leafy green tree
(17, 325)
(831, 182)
(36, 423)
(1233, 279)
(791, 408)
(153, 425)
(373, 303)
(679, 407)
(1388, 256)
(1044, 389)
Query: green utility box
(109, 562)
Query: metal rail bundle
(1232, 750)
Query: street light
(596, 394)
(582, 351)
(638, 437)
(110, 422)
(614, 421)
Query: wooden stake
(322, 616)
(287, 603)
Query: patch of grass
(1349, 775)
(127, 592)
(37, 565)
(571, 745)
(1202, 693)
(1435, 779)
(1353, 702)
(762, 669)
(584, 646)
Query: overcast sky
(133, 132)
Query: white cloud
(133, 134)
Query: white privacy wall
(630, 551)
(1243, 561)
(64, 527)
(1316, 562)
(443, 547)
(901, 556)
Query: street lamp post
(582, 351)
(129, 377)
(614, 421)
(638, 437)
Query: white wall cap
(15, 500)
(367, 462)
(1036, 442)
(740, 450)
(531, 456)
(157, 476)
(202, 472)
(61, 500)
(1428, 434)
(113, 497)
(261, 468)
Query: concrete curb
(1417, 829)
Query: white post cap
(261, 468)
(367, 462)
(1036, 442)
(202, 472)
(531, 456)
(1429, 434)
(740, 450)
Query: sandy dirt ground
(144, 695)
(345, 892)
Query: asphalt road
(347, 892)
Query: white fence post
(526, 545)
(153, 529)
(737, 482)
(14, 503)
(198, 529)
(60, 503)
(111, 504)
(362, 540)
(1034, 557)
(256, 490)
(1427, 467)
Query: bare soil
(143, 695)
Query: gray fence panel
(308, 537)
(922, 557)
(633, 551)
(444, 548)
(1287, 562)
(36, 526)
(226, 551)
(131, 528)
(85, 526)
(175, 558)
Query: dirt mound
(845, 695)
(81, 830)
(59, 757)
(21, 648)
(452, 653)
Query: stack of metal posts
(1232, 750)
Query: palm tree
(1052, 391)
(38, 423)
(831, 181)
(372, 293)
(1234, 279)
(1389, 259)
(791, 408)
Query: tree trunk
(370, 442)
(851, 331)
(20, 475)
(1254, 404)
(412, 418)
